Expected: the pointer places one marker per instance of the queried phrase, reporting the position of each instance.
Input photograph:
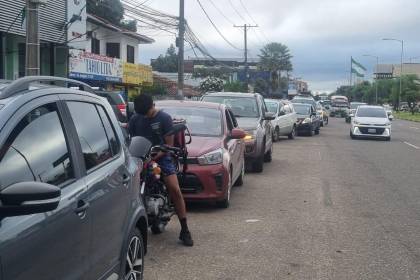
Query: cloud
(322, 35)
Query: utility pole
(246, 27)
(180, 41)
(32, 37)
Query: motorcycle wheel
(158, 227)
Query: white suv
(285, 122)
(371, 121)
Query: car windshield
(242, 107)
(302, 109)
(355, 105)
(272, 106)
(304, 101)
(363, 112)
(200, 121)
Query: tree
(261, 86)
(211, 84)
(235, 87)
(275, 57)
(168, 62)
(112, 11)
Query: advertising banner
(137, 74)
(88, 66)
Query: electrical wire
(237, 12)
(221, 12)
(216, 28)
(252, 18)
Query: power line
(215, 27)
(252, 18)
(220, 11)
(237, 12)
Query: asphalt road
(327, 207)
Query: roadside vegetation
(407, 116)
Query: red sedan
(216, 153)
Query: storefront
(108, 73)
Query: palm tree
(275, 57)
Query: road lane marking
(252, 220)
(411, 145)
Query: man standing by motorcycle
(154, 125)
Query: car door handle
(82, 206)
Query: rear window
(114, 98)
(242, 107)
(272, 106)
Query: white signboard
(76, 24)
(89, 66)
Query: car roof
(302, 104)
(240, 94)
(371, 107)
(187, 103)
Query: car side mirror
(282, 113)
(237, 133)
(269, 116)
(391, 117)
(28, 198)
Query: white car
(372, 122)
(388, 110)
(285, 122)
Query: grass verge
(407, 116)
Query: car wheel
(293, 133)
(311, 132)
(352, 135)
(134, 257)
(276, 134)
(226, 201)
(240, 181)
(268, 157)
(158, 227)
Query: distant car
(389, 112)
(285, 122)
(304, 100)
(253, 116)
(307, 121)
(70, 202)
(371, 121)
(216, 153)
(320, 114)
(117, 103)
(352, 111)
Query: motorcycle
(153, 190)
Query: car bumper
(371, 131)
(304, 127)
(204, 183)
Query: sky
(322, 35)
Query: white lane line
(411, 145)
(412, 127)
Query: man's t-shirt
(154, 129)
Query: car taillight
(122, 108)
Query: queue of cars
(64, 161)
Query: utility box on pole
(33, 62)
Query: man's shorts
(167, 166)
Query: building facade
(109, 57)
(52, 22)
(389, 71)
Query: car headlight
(250, 136)
(213, 157)
(307, 120)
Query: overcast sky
(322, 35)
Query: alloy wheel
(134, 260)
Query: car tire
(134, 256)
(158, 227)
(311, 132)
(226, 201)
(268, 157)
(240, 181)
(352, 135)
(258, 164)
(276, 134)
(293, 133)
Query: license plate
(371, 130)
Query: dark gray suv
(252, 115)
(70, 203)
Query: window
(130, 54)
(91, 132)
(229, 121)
(110, 132)
(113, 50)
(36, 150)
(21, 59)
(287, 109)
(95, 46)
(232, 117)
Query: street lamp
(376, 83)
(402, 55)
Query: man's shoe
(185, 237)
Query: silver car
(372, 122)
